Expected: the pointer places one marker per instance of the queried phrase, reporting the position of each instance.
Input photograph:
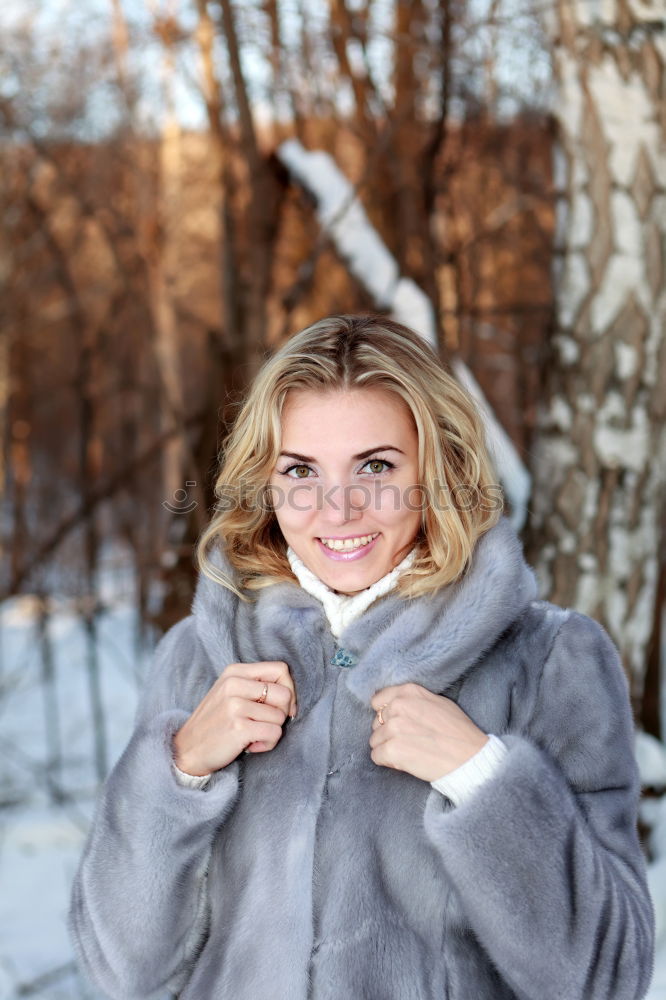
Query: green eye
(379, 461)
(287, 472)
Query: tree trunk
(262, 212)
(599, 459)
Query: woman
(370, 763)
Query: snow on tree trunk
(600, 452)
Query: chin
(355, 582)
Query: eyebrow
(362, 454)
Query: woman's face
(348, 469)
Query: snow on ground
(41, 841)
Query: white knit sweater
(341, 609)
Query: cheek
(291, 520)
(400, 505)
(413, 502)
(294, 505)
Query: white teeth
(348, 544)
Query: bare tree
(393, 92)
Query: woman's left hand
(423, 733)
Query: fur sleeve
(137, 914)
(545, 858)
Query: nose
(343, 502)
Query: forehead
(345, 411)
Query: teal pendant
(342, 658)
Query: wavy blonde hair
(344, 353)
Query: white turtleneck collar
(341, 609)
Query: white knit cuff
(189, 780)
(460, 783)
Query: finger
(250, 689)
(282, 688)
(380, 752)
(376, 724)
(263, 712)
(276, 693)
(385, 696)
(378, 736)
(388, 694)
(275, 671)
(288, 681)
(264, 732)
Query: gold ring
(262, 697)
(380, 717)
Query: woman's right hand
(229, 718)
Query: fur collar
(430, 640)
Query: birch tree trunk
(599, 461)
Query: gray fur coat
(310, 873)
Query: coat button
(343, 658)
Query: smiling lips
(348, 548)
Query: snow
(629, 120)
(340, 212)
(626, 360)
(39, 852)
(623, 277)
(41, 840)
(513, 473)
(651, 759)
(568, 348)
(618, 446)
(574, 280)
(570, 98)
(581, 220)
(657, 884)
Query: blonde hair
(345, 353)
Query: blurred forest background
(164, 227)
